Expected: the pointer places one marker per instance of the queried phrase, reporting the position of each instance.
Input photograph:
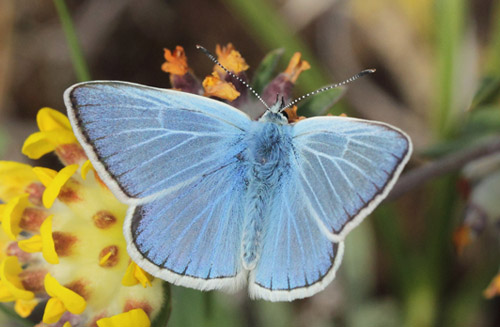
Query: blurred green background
(438, 78)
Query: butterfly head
(275, 114)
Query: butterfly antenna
(212, 57)
(329, 87)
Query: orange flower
(229, 58)
(176, 61)
(296, 67)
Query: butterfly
(218, 201)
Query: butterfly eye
(285, 114)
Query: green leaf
(320, 104)
(266, 70)
(488, 92)
(162, 319)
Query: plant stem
(79, 63)
(9, 312)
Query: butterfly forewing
(144, 141)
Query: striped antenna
(329, 87)
(212, 57)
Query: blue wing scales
(140, 138)
(297, 259)
(346, 167)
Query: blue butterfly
(218, 201)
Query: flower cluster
(61, 240)
(224, 87)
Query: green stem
(450, 23)
(9, 312)
(79, 63)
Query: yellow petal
(132, 318)
(25, 307)
(14, 177)
(41, 143)
(5, 294)
(85, 169)
(2, 210)
(67, 324)
(12, 214)
(54, 188)
(45, 175)
(9, 274)
(73, 301)
(135, 275)
(31, 245)
(53, 311)
(48, 246)
(49, 119)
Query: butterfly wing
(174, 157)
(346, 168)
(340, 169)
(144, 141)
(297, 260)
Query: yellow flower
(15, 178)
(42, 243)
(12, 213)
(11, 287)
(54, 181)
(132, 318)
(62, 299)
(70, 242)
(135, 275)
(55, 130)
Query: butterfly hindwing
(297, 259)
(192, 237)
(346, 167)
(140, 138)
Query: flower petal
(31, 245)
(48, 246)
(214, 86)
(45, 175)
(73, 301)
(176, 61)
(230, 58)
(296, 66)
(54, 188)
(53, 311)
(15, 178)
(85, 169)
(9, 275)
(132, 318)
(49, 119)
(41, 143)
(25, 307)
(12, 214)
(135, 275)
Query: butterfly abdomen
(268, 153)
